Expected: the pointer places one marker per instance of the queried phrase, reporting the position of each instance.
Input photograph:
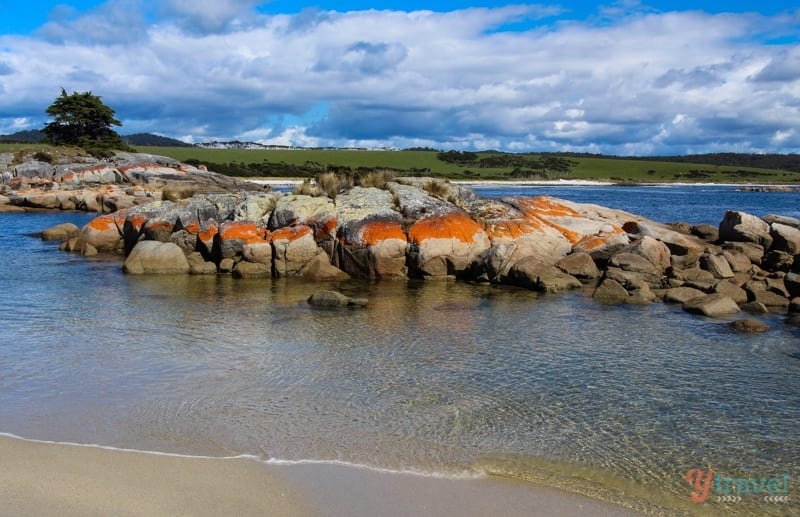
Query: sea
(633, 405)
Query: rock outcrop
(425, 228)
(80, 182)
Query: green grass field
(587, 168)
(426, 162)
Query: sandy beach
(40, 478)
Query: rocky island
(412, 228)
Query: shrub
(41, 156)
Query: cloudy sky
(627, 77)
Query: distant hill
(33, 136)
(151, 140)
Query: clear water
(437, 377)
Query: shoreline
(56, 478)
(544, 183)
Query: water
(445, 378)
(695, 204)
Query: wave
(460, 475)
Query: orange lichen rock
(105, 232)
(245, 231)
(375, 232)
(291, 233)
(455, 225)
(208, 231)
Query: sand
(47, 479)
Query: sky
(623, 77)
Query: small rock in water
(60, 232)
(334, 300)
(749, 326)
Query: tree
(82, 119)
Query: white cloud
(642, 82)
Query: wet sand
(58, 479)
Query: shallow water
(437, 377)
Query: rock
(777, 261)
(738, 261)
(60, 232)
(691, 275)
(678, 243)
(657, 253)
(749, 326)
(226, 266)
(610, 292)
(535, 275)
(682, 294)
(706, 232)
(782, 219)
(630, 280)
(76, 245)
(292, 249)
(684, 228)
(732, 291)
(321, 270)
(258, 252)
(755, 252)
(768, 298)
(234, 235)
(199, 266)
(641, 296)
(777, 285)
(794, 305)
(547, 229)
(33, 169)
(792, 283)
(712, 305)
(785, 238)
(334, 300)
(580, 265)
(636, 264)
(743, 227)
(442, 239)
(152, 257)
(717, 265)
(371, 242)
(317, 212)
(185, 240)
(754, 308)
(687, 261)
(246, 269)
(104, 233)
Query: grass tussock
(176, 195)
(436, 188)
(376, 179)
(326, 184)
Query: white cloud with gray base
(649, 83)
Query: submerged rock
(749, 326)
(60, 232)
(334, 300)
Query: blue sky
(625, 77)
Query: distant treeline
(785, 162)
(523, 165)
(308, 169)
